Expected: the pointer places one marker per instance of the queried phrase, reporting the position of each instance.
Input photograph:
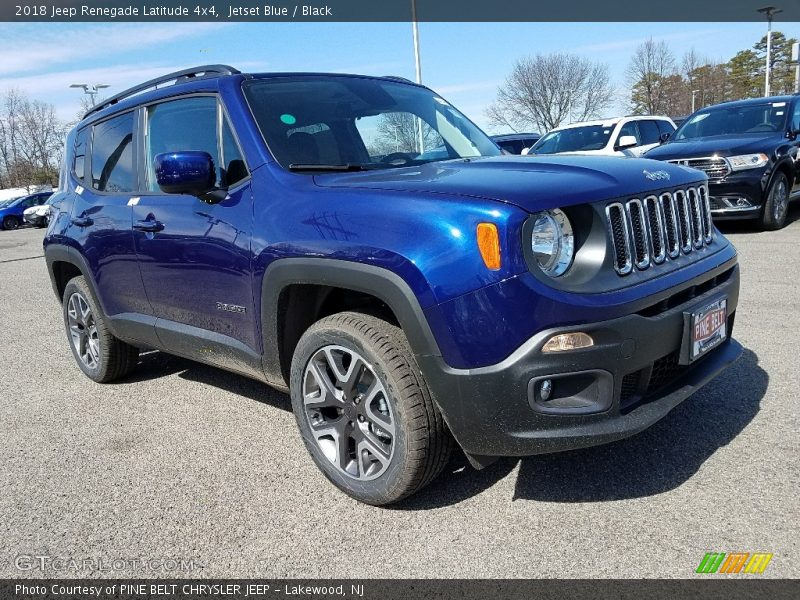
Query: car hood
(530, 182)
(721, 145)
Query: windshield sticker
(777, 104)
(288, 119)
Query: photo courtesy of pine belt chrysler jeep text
(359, 243)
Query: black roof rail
(398, 78)
(201, 72)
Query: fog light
(567, 341)
(545, 390)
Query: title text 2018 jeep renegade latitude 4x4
(308, 231)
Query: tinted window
(764, 118)
(574, 139)
(365, 119)
(649, 132)
(795, 124)
(191, 124)
(233, 165)
(630, 129)
(513, 146)
(665, 127)
(79, 152)
(112, 155)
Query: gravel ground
(185, 461)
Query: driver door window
(629, 128)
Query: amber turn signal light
(489, 245)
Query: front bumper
(35, 220)
(738, 196)
(630, 377)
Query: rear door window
(112, 155)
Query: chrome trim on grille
(716, 167)
(658, 245)
(685, 222)
(671, 225)
(708, 224)
(697, 217)
(659, 228)
(639, 233)
(625, 251)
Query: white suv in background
(623, 136)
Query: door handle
(149, 225)
(82, 221)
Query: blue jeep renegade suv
(359, 243)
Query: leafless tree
(31, 141)
(648, 74)
(545, 90)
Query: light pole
(769, 12)
(694, 94)
(796, 61)
(90, 89)
(418, 64)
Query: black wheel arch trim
(379, 282)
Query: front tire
(364, 410)
(777, 204)
(10, 223)
(100, 355)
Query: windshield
(9, 202)
(573, 139)
(768, 117)
(360, 122)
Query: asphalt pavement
(200, 473)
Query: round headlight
(552, 242)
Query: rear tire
(776, 205)
(100, 355)
(10, 223)
(364, 410)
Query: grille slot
(671, 227)
(684, 222)
(618, 230)
(639, 229)
(716, 167)
(705, 207)
(649, 232)
(696, 216)
(655, 221)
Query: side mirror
(664, 136)
(626, 141)
(187, 172)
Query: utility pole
(694, 94)
(796, 61)
(769, 12)
(418, 64)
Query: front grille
(661, 227)
(715, 167)
(665, 371)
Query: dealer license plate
(708, 327)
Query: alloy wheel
(83, 330)
(780, 200)
(348, 411)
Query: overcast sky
(465, 62)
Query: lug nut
(360, 418)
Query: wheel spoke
(343, 421)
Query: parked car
(748, 149)
(509, 305)
(39, 216)
(516, 143)
(623, 136)
(11, 212)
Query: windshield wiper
(321, 167)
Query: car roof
(612, 121)
(750, 101)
